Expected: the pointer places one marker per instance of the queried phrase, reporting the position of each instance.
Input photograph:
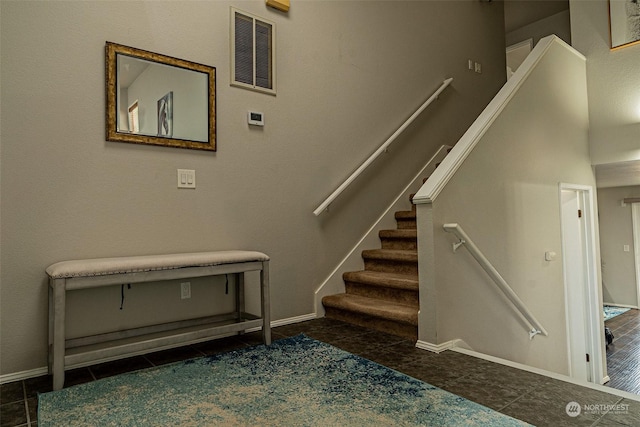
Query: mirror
(159, 100)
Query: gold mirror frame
(112, 88)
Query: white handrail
(534, 326)
(325, 205)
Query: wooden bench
(93, 273)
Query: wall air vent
(252, 52)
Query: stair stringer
(334, 284)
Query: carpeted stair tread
(399, 233)
(373, 307)
(405, 215)
(382, 279)
(406, 219)
(390, 255)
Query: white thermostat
(255, 118)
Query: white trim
(635, 213)
(232, 48)
(335, 276)
(436, 183)
(611, 304)
(527, 42)
(23, 375)
(593, 305)
(438, 348)
(291, 320)
(550, 374)
(37, 372)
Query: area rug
(296, 381)
(612, 311)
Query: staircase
(384, 296)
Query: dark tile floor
(623, 355)
(529, 397)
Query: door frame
(593, 341)
(635, 222)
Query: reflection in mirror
(160, 100)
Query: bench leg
(266, 306)
(57, 331)
(239, 277)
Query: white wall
(349, 73)
(616, 230)
(612, 76)
(506, 197)
(190, 99)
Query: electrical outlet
(185, 290)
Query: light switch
(186, 178)
(626, 248)
(550, 256)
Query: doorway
(635, 221)
(583, 315)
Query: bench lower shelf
(90, 350)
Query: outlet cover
(185, 290)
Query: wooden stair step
(373, 307)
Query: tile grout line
(603, 415)
(26, 403)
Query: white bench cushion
(135, 264)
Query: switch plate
(478, 68)
(186, 178)
(626, 248)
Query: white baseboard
(613, 304)
(23, 375)
(550, 374)
(37, 372)
(437, 348)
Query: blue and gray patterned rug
(612, 311)
(296, 381)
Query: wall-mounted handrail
(532, 323)
(325, 205)
(465, 145)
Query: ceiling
(618, 174)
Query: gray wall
(349, 73)
(616, 230)
(506, 197)
(614, 112)
(558, 24)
